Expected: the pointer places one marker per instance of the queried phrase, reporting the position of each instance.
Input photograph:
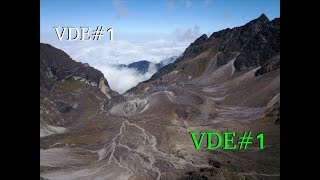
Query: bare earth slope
(229, 81)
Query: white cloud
(104, 54)
(121, 9)
(123, 52)
(206, 3)
(170, 4)
(188, 35)
(188, 3)
(122, 79)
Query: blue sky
(154, 17)
(150, 30)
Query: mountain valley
(229, 81)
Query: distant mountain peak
(143, 65)
(141, 61)
(261, 19)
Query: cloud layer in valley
(104, 54)
(122, 79)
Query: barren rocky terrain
(229, 81)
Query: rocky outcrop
(236, 39)
(104, 87)
(261, 48)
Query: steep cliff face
(67, 88)
(262, 47)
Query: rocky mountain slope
(249, 46)
(65, 89)
(229, 81)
